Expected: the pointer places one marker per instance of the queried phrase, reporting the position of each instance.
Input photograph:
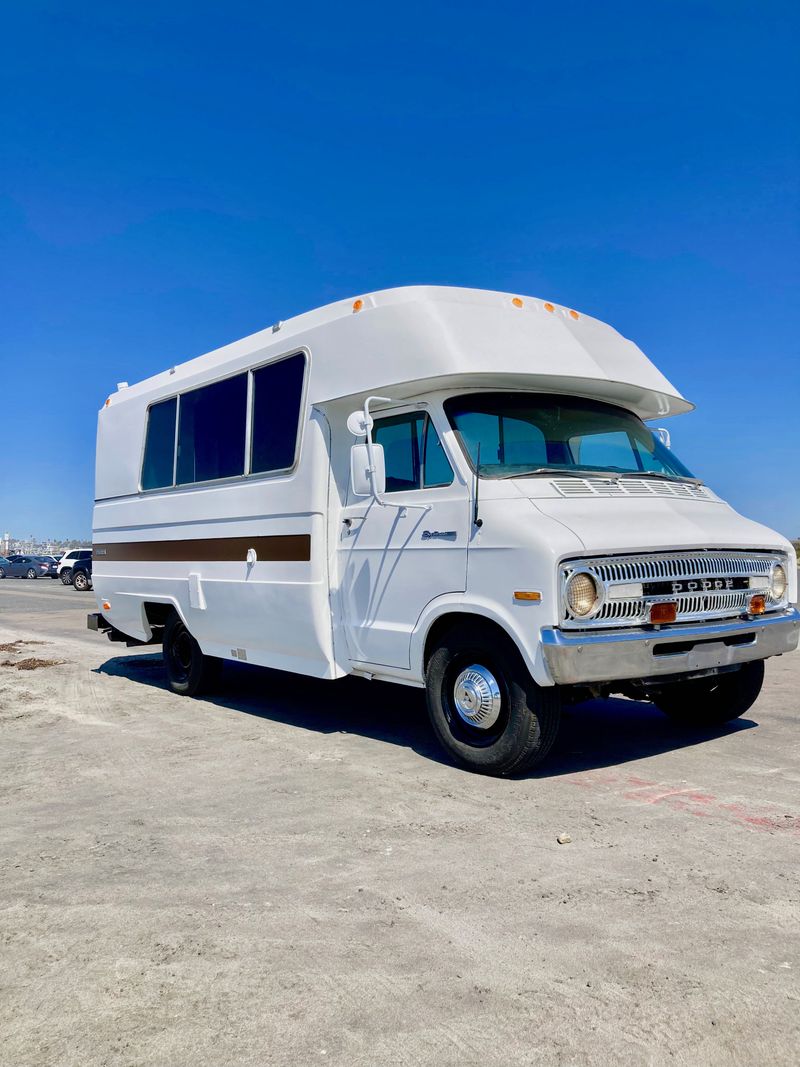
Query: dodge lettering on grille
(694, 585)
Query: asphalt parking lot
(290, 873)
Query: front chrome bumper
(616, 655)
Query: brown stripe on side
(286, 548)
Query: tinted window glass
(277, 394)
(604, 450)
(159, 448)
(211, 431)
(401, 438)
(436, 467)
(405, 439)
(519, 433)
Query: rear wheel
(31, 573)
(485, 708)
(714, 700)
(66, 576)
(80, 581)
(189, 671)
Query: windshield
(528, 433)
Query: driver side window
(412, 453)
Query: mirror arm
(369, 422)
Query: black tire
(66, 576)
(712, 701)
(527, 722)
(80, 581)
(31, 573)
(189, 671)
(2, 574)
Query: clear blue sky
(177, 175)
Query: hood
(645, 525)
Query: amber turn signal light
(663, 613)
(758, 605)
(527, 594)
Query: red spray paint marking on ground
(689, 800)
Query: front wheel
(485, 708)
(2, 573)
(66, 576)
(189, 671)
(712, 701)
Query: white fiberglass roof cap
(403, 342)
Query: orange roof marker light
(574, 314)
(358, 304)
(517, 301)
(549, 307)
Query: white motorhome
(447, 488)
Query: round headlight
(582, 594)
(777, 582)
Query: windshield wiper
(657, 474)
(577, 472)
(568, 472)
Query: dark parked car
(30, 567)
(68, 559)
(82, 575)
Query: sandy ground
(291, 874)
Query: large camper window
(211, 431)
(277, 395)
(159, 447)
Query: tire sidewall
(193, 681)
(522, 730)
(80, 582)
(723, 698)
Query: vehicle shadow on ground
(593, 735)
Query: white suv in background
(68, 559)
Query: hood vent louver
(629, 487)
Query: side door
(394, 559)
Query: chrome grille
(621, 608)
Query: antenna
(476, 521)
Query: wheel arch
(444, 614)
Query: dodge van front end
(656, 614)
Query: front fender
(520, 622)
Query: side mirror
(662, 435)
(367, 478)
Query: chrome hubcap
(477, 697)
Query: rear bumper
(616, 655)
